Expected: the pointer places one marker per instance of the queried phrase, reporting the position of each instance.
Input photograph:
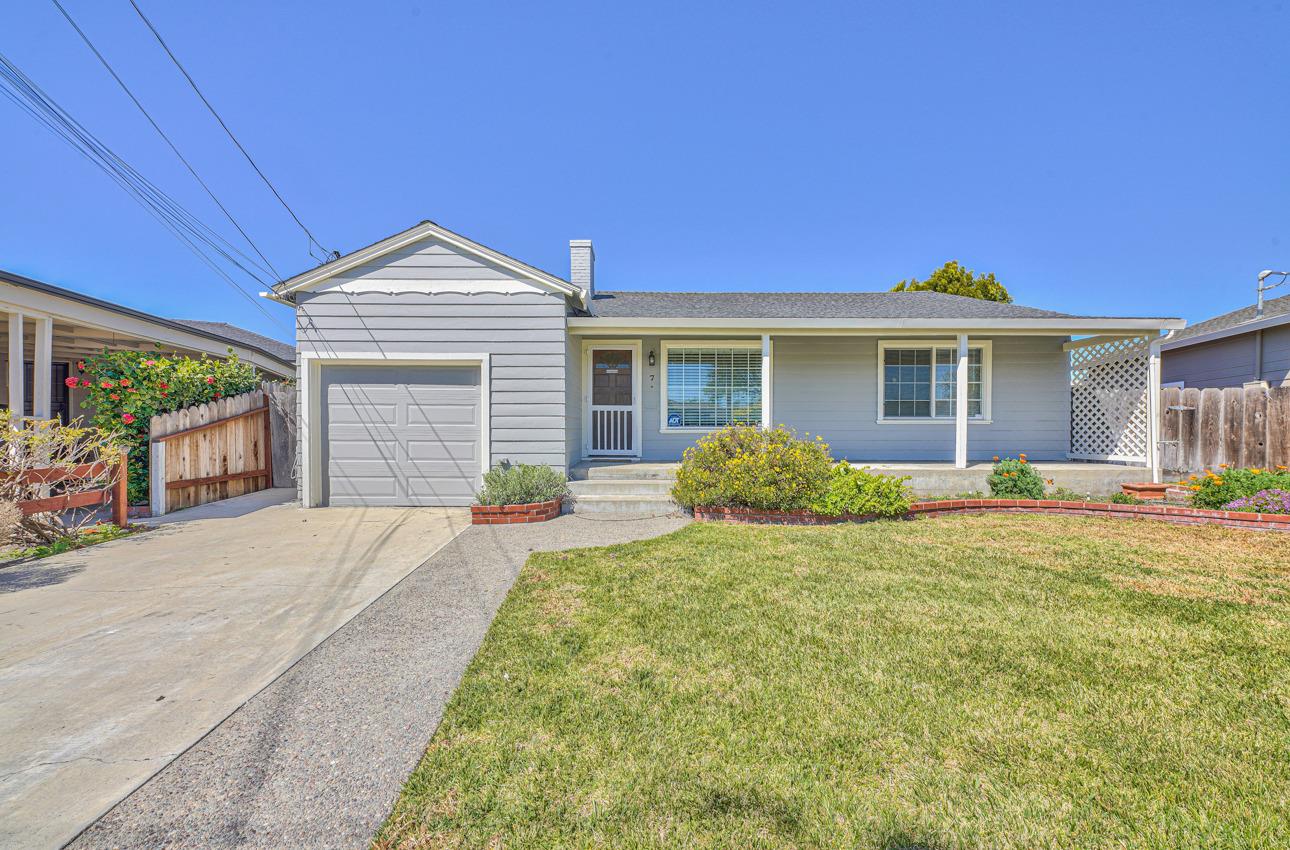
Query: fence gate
(1109, 411)
(210, 452)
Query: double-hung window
(919, 380)
(710, 385)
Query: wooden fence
(216, 451)
(1202, 428)
(113, 492)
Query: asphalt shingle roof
(281, 350)
(808, 305)
(1271, 307)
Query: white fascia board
(1058, 327)
(1234, 330)
(33, 302)
(425, 230)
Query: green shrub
(1123, 498)
(1066, 494)
(967, 494)
(855, 490)
(1213, 490)
(1015, 478)
(127, 388)
(521, 484)
(743, 466)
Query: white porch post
(961, 406)
(766, 421)
(17, 400)
(42, 372)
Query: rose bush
(127, 388)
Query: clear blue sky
(1104, 157)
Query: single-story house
(426, 358)
(1231, 350)
(47, 329)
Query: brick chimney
(582, 266)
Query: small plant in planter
(521, 484)
(1015, 478)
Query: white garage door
(401, 435)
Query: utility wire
(327, 254)
(25, 93)
(166, 138)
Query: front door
(613, 402)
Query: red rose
(218, 395)
(80, 365)
(107, 385)
(150, 363)
(84, 383)
(131, 390)
(127, 418)
(210, 379)
(125, 382)
(114, 396)
(163, 395)
(71, 382)
(163, 385)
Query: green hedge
(521, 484)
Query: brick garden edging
(507, 514)
(1165, 513)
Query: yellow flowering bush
(1215, 489)
(743, 466)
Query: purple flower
(1262, 502)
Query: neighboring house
(426, 358)
(1231, 350)
(48, 328)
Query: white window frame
(666, 345)
(987, 382)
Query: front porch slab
(927, 478)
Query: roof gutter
(1234, 330)
(1061, 326)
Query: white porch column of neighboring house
(961, 406)
(16, 361)
(42, 372)
(766, 421)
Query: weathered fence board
(1203, 428)
(219, 450)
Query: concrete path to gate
(117, 658)
(317, 759)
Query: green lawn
(974, 681)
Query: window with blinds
(711, 387)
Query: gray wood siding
(573, 399)
(829, 386)
(524, 334)
(426, 260)
(1229, 362)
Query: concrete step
(621, 487)
(616, 503)
(601, 470)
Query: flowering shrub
(1262, 502)
(743, 466)
(1015, 479)
(127, 388)
(855, 490)
(521, 484)
(47, 444)
(1215, 489)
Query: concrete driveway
(116, 659)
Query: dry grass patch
(974, 681)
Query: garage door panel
(402, 435)
(440, 414)
(423, 451)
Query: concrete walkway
(317, 758)
(116, 658)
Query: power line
(166, 138)
(28, 96)
(327, 254)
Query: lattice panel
(1109, 400)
